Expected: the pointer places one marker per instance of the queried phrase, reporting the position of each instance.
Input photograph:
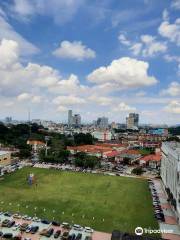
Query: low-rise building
(5, 158)
(36, 145)
(152, 160)
(170, 173)
(103, 135)
(106, 151)
(131, 154)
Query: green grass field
(124, 203)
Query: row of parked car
(10, 168)
(159, 215)
(64, 233)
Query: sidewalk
(170, 218)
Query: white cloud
(136, 48)
(141, 94)
(172, 90)
(24, 97)
(74, 50)
(68, 100)
(70, 85)
(61, 11)
(171, 58)
(61, 109)
(175, 4)
(29, 97)
(103, 101)
(123, 73)
(123, 107)
(7, 31)
(165, 15)
(170, 31)
(173, 107)
(148, 47)
(122, 38)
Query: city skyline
(98, 59)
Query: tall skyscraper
(102, 122)
(132, 121)
(77, 120)
(74, 120)
(70, 118)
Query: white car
(26, 217)
(36, 219)
(16, 215)
(77, 227)
(16, 227)
(88, 230)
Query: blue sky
(99, 58)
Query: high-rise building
(170, 173)
(77, 120)
(132, 121)
(8, 120)
(102, 122)
(74, 120)
(70, 118)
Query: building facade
(102, 122)
(74, 120)
(132, 121)
(170, 173)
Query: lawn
(102, 202)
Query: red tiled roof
(152, 157)
(32, 142)
(112, 154)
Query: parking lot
(18, 227)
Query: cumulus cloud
(17, 78)
(8, 32)
(70, 85)
(74, 50)
(103, 101)
(172, 90)
(68, 100)
(61, 109)
(123, 73)
(173, 107)
(148, 47)
(170, 31)
(123, 107)
(29, 97)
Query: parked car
(55, 223)
(65, 235)
(34, 229)
(16, 215)
(79, 236)
(57, 234)
(88, 229)
(23, 227)
(8, 235)
(5, 223)
(49, 233)
(10, 224)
